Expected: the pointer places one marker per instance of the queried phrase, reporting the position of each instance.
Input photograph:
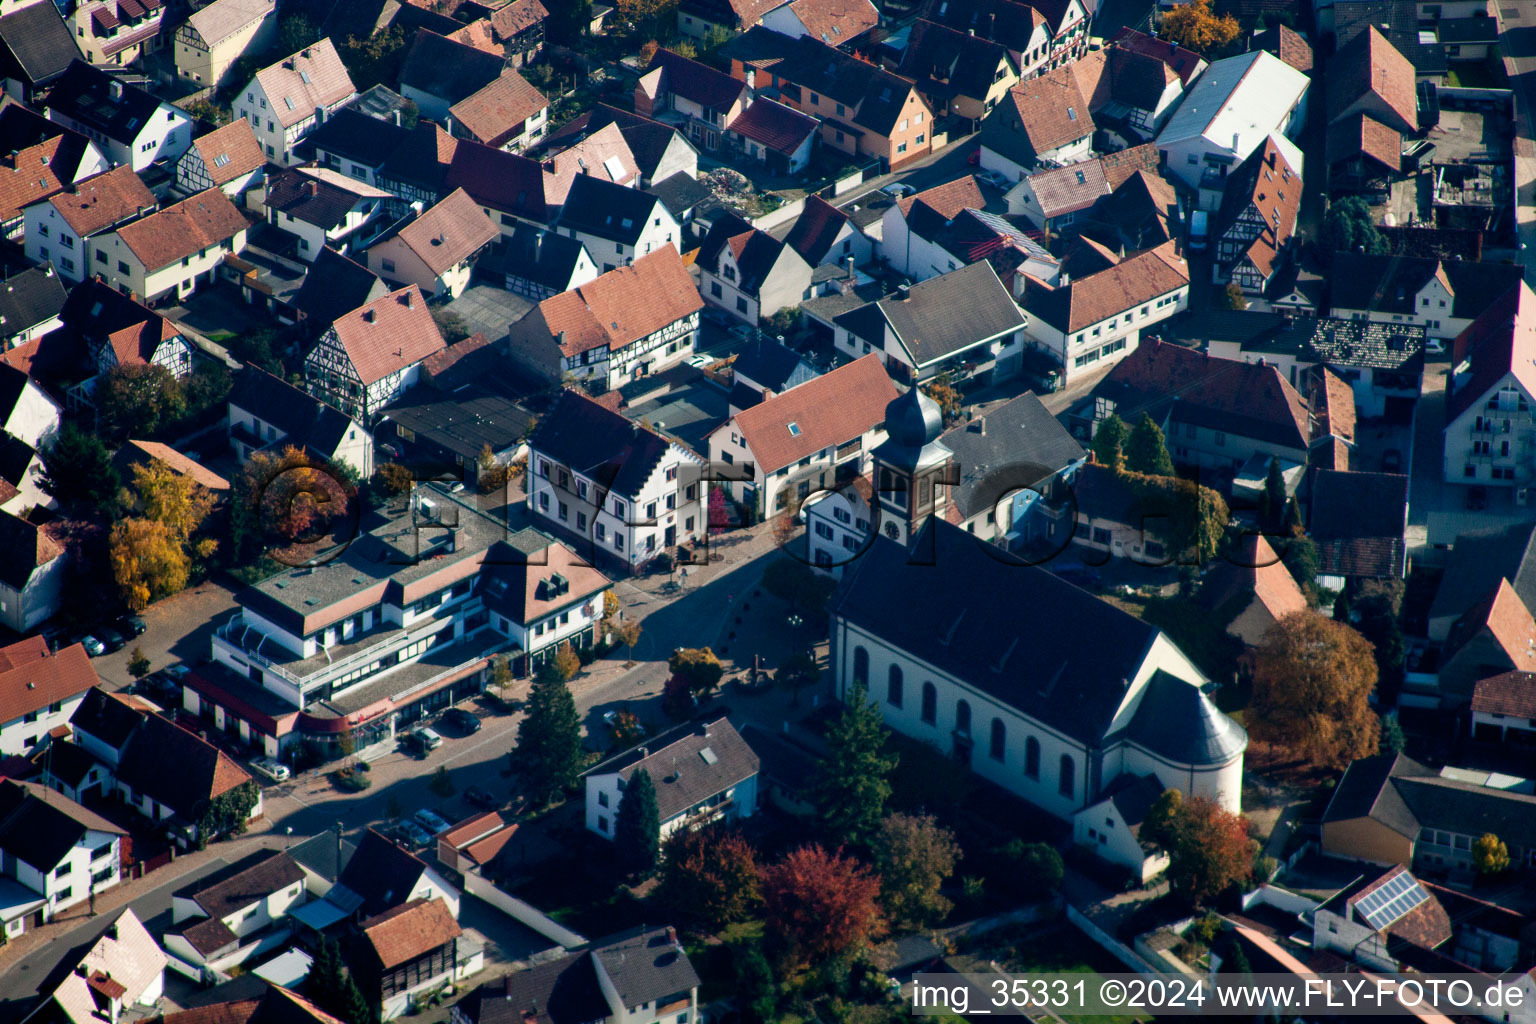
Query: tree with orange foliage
(1312, 683)
(1208, 850)
(1195, 26)
(820, 905)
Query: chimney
(395, 116)
(970, 32)
(115, 89)
(981, 425)
(848, 262)
(410, 299)
(538, 245)
(312, 188)
(904, 290)
(367, 316)
(338, 846)
(560, 339)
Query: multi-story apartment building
(619, 489)
(1490, 433)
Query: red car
(974, 159)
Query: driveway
(489, 311)
(179, 628)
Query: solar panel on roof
(1391, 901)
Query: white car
(271, 768)
(996, 179)
(1434, 347)
(701, 361)
(431, 821)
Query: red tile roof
(410, 930)
(1369, 65)
(297, 84)
(1051, 109)
(700, 83)
(1508, 693)
(949, 199)
(449, 233)
(179, 463)
(1185, 63)
(827, 410)
(179, 231)
(815, 229)
(102, 200)
(1363, 134)
(230, 151)
(780, 128)
(516, 17)
(36, 679)
(499, 111)
(27, 177)
(835, 21)
(624, 305)
(388, 334)
(1502, 340)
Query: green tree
(354, 1008)
(138, 399)
(449, 324)
(698, 667)
(442, 782)
(296, 32)
(1109, 443)
(798, 584)
(757, 993)
(1146, 450)
(1348, 227)
(708, 875)
(915, 855)
(854, 779)
(1392, 737)
(326, 980)
(637, 827)
(77, 470)
(564, 664)
(375, 60)
(1376, 608)
(1236, 961)
(204, 109)
(1159, 829)
(549, 740)
(1489, 855)
(1272, 499)
(568, 21)
(138, 663)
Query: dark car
(131, 626)
(483, 798)
(110, 638)
(463, 721)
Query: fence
(1119, 950)
(478, 885)
(773, 218)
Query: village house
(696, 18)
(1127, 90)
(629, 322)
(217, 920)
(1252, 591)
(1097, 318)
(957, 73)
(409, 950)
(117, 32)
(825, 234)
(1059, 198)
(289, 99)
(659, 150)
(44, 159)
(1235, 105)
(1443, 296)
(707, 774)
(126, 122)
(42, 689)
(618, 489)
(931, 233)
(813, 436)
(704, 100)
(1495, 635)
(519, 28)
(325, 210)
(513, 190)
(776, 136)
(27, 413)
(618, 225)
(229, 158)
(642, 976)
(1130, 704)
(1042, 121)
(604, 156)
(172, 251)
(749, 273)
(1359, 523)
(333, 286)
(1186, 63)
(548, 598)
(963, 324)
(36, 47)
(506, 113)
(838, 23)
(1490, 435)
(369, 356)
(1039, 36)
(1142, 212)
(59, 229)
(267, 413)
(1257, 219)
(122, 973)
(1504, 708)
(539, 264)
(56, 853)
(435, 249)
(214, 37)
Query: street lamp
(795, 622)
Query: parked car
(94, 647)
(271, 768)
(177, 672)
(1391, 461)
(898, 190)
(423, 740)
(461, 720)
(701, 361)
(431, 821)
(1434, 347)
(110, 638)
(483, 798)
(996, 179)
(1199, 227)
(412, 833)
(131, 626)
(1477, 498)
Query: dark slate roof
(599, 443)
(1478, 561)
(701, 761)
(502, 181)
(177, 768)
(1037, 663)
(334, 286)
(947, 62)
(647, 139)
(38, 43)
(544, 257)
(816, 229)
(105, 717)
(28, 299)
(771, 365)
(40, 826)
(1406, 796)
(1181, 723)
(943, 314)
(1388, 284)
(69, 762)
(563, 991)
(83, 93)
(1133, 796)
(680, 193)
(876, 96)
(325, 854)
(461, 423)
(754, 258)
(1018, 444)
(446, 68)
(310, 199)
(242, 883)
(645, 965)
(1358, 521)
(1401, 17)
(697, 82)
(356, 137)
(608, 210)
(380, 872)
(304, 419)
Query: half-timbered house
(1258, 218)
(228, 157)
(372, 355)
